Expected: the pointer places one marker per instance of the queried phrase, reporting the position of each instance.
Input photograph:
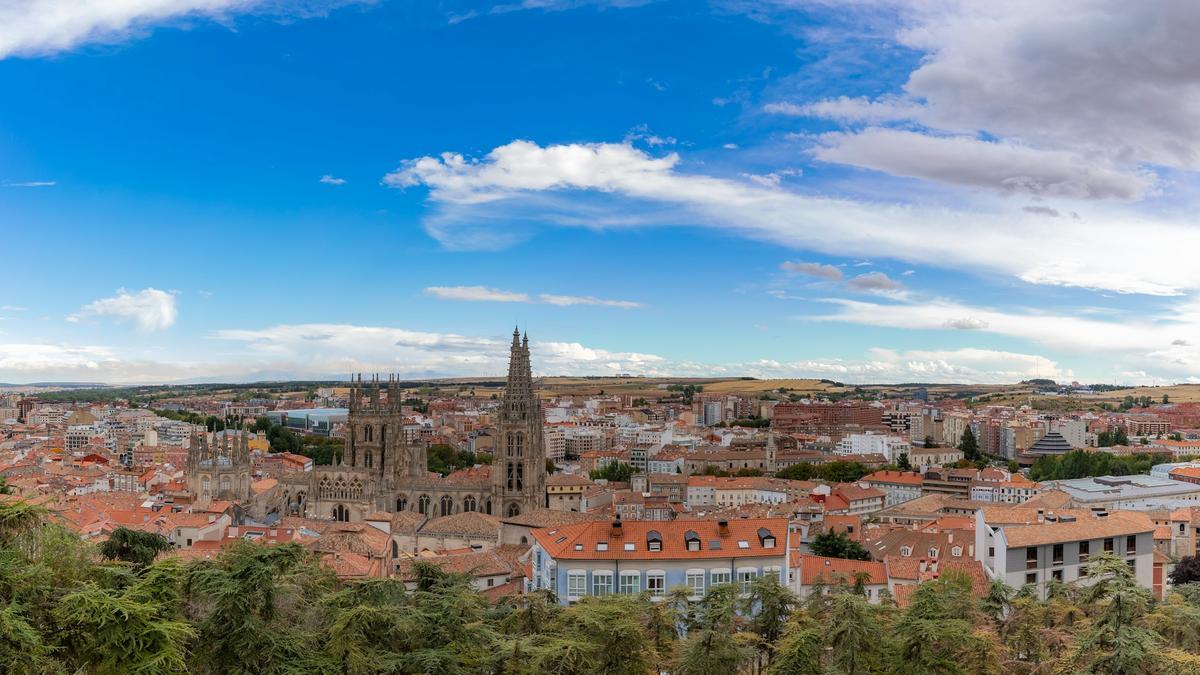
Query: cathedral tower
(519, 467)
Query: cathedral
(382, 470)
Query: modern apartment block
(1022, 546)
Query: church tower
(519, 466)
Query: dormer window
(933, 552)
(765, 538)
(692, 540)
(653, 541)
(956, 551)
(905, 551)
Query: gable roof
(561, 542)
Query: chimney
(616, 528)
(950, 537)
(922, 566)
(1041, 516)
(723, 528)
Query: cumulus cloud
(527, 183)
(874, 281)
(328, 179)
(37, 27)
(812, 269)
(484, 294)
(150, 308)
(329, 351)
(1098, 89)
(1154, 345)
(475, 294)
(1001, 165)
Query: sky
(865, 190)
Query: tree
(769, 604)
(801, 471)
(835, 544)
(903, 463)
(842, 472)
(800, 650)
(713, 646)
(1186, 571)
(134, 546)
(613, 472)
(929, 442)
(1166, 399)
(854, 636)
(968, 445)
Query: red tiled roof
(561, 542)
(816, 568)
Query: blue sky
(877, 191)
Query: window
(1131, 544)
(1056, 575)
(629, 546)
(602, 546)
(721, 577)
(991, 551)
(695, 583)
(602, 583)
(745, 577)
(1083, 571)
(956, 551)
(1108, 545)
(576, 583)
(656, 582)
(631, 582)
(905, 551)
(933, 552)
(1132, 566)
(742, 543)
(1084, 553)
(1058, 554)
(1031, 578)
(653, 541)
(1031, 557)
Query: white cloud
(13, 308)
(37, 27)
(32, 184)
(522, 183)
(1100, 89)
(565, 300)
(331, 180)
(475, 294)
(150, 308)
(1003, 166)
(874, 281)
(812, 269)
(1157, 344)
(773, 178)
(485, 294)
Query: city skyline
(872, 193)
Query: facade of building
(1020, 548)
(383, 468)
(600, 558)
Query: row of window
(1057, 557)
(630, 582)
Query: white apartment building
(891, 447)
(1022, 546)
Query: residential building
(575, 561)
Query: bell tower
(519, 466)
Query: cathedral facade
(382, 470)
